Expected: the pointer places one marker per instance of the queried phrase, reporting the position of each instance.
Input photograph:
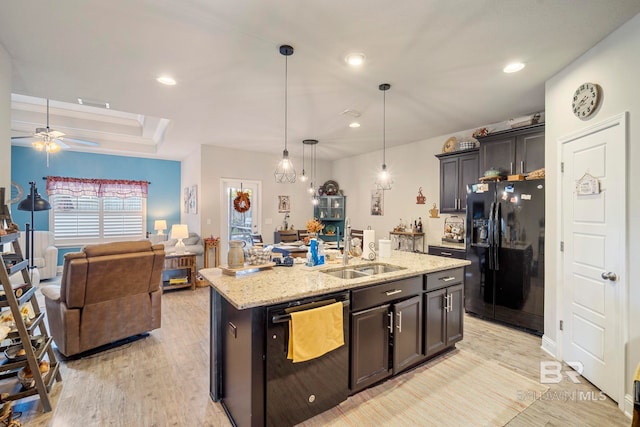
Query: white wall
(412, 166)
(190, 170)
(217, 163)
(5, 122)
(613, 64)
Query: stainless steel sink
(372, 269)
(355, 271)
(346, 273)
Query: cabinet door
(530, 152)
(449, 184)
(498, 154)
(435, 322)
(369, 346)
(455, 314)
(469, 174)
(407, 333)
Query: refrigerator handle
(490, 226)
(497, 239)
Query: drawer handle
(395, 291)
(448, 279)
(446, 253)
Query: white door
(239, 219)
(594, 254)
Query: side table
(179, 271)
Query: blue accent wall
(163, 201)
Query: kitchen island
(258, 386)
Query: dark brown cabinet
(447, 252)
(407, 333)
(514, 151)
(444, 308)
(386, 338)
(457, 169)
(369, 346)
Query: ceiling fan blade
(23, 137)
(62, 145)
(82, 141)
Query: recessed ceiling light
(355, 59)
(513, 67)
(354, 125)
(166, 80)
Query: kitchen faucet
(347, 241)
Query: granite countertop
(282, 284)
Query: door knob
(609, 276)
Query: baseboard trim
(628, 405)
(549, 346)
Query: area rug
(456, 389)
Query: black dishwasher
(298, 391)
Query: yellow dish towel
(315, 332)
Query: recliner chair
(108, 292)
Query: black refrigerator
(505, 244)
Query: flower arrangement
(480, 132)
(314, 226)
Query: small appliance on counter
(453, 230)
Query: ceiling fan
(49, 140)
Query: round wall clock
(585, 100)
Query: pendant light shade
(285, 173)
(304, 177)
(312, 143)
(384, 181)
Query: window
(88, 211)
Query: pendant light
(285, 173)
(384, 181)
(303, 177)
(312, 145)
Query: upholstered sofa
(108, 292)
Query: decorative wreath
(241, 203)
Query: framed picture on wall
(193, 200)
(377, 202)
(187, 198)
(284, 204)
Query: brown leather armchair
(108, 292)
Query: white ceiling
(442, 58)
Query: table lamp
(179, 231)
(160, 225)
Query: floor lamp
(32, 203)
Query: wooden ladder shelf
(13, 301)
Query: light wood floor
(163, 379)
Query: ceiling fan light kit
(285, 173)
(49, 140)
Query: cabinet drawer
(444, 278)
(446, 252)
(386, 292)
